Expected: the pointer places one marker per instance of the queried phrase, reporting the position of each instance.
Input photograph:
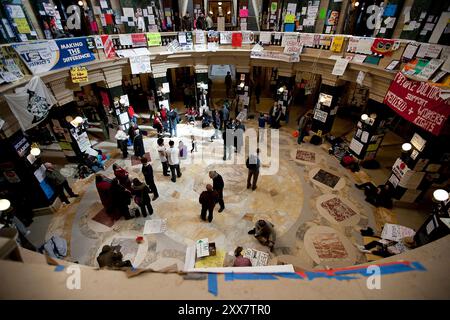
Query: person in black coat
(121, 198)
(208, 200)
(147, 171)
(218, 186)
(138, 144)
(141, 197)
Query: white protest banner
(31, 104)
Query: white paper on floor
(155, 226)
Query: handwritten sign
(79, 74)
(418, 102)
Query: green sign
(273, 7)
(323, 13)
(153, 39)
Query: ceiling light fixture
(80, 3)
(364, 117)
(356, 3)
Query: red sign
(139, 40)
(108, 46)
(384, 46)
(236, 39)
(418, 102)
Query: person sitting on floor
(380, 196)
(241, 261)
(350, 162)
(265, 233)
(111, 258)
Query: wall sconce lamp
(364, 117)
(4, 205)
(35, 151)
(406, 147)
(440, 195)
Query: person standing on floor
(122, 176)
(216, 124)
(218, 186)
(257, 92)
(58, 182)
(103, 185)
(162, 151)
(194, 144)
(303, 127)
(261, 127)
(183, 150)
(173, 121)
(164, 119)
(138, 144)
(121, 199)
(228, 83)
(228, 141)
(147, 171)
(208, 200)
(174, 161)
(141, 197)
(122, 141)
(253, 163)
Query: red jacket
(131, 112)
(103, 188)
(163, 114)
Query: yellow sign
(22, 25)
(337, 43)
(289, 18)
(319, 133)
(153, 39)
(79, 74)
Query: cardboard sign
(336, 45)
(79, 74)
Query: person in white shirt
(174, 161)
(209, 22)
(122, 141)
(163, 156)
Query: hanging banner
(418, 102)
(236, 40)
(139, 40)
(43, 56)
(108, 46)
(336, 45)
(140, 64)
(31, 104)
(275, 55)
(79, 74)
(153, 39)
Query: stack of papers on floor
(155, 226)
(202, 247)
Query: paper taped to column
(31, 104)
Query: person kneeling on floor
(111, 258)
(265, 233)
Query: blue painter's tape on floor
(288, 275)
(418, 266)
(212, 284)
(249, 276)
(59, 268)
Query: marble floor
(311, 200)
